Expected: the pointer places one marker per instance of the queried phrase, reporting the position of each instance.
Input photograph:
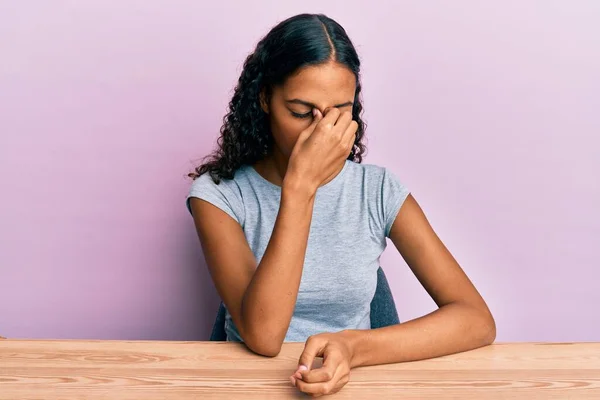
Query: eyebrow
(311, 105)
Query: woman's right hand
(321, 149)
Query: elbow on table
(264, 349)
(264, 345)
(482, 326)
(488, 329)
(267, 351)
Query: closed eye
(296, 115)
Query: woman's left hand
(336, 350)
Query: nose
(325, 110)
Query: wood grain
(47, 369)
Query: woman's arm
(261, 299)
(462, 321)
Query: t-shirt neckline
(328, 185)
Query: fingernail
(293, 380)
(315, 112)
(303, 368)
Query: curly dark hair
(299, 41)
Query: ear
(264, 104)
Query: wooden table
(46, 369)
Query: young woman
(292, 224)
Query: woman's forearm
(269, 301)
(451, 329)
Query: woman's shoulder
(208, 182)
(223, 193)
(368, 168)
(382, 190)
(381, 183)
(370, 172)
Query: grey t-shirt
(352, 217)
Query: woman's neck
(273, 168)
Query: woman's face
(290, 109)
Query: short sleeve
(222, 196)
(393, 195)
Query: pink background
(488, 112)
